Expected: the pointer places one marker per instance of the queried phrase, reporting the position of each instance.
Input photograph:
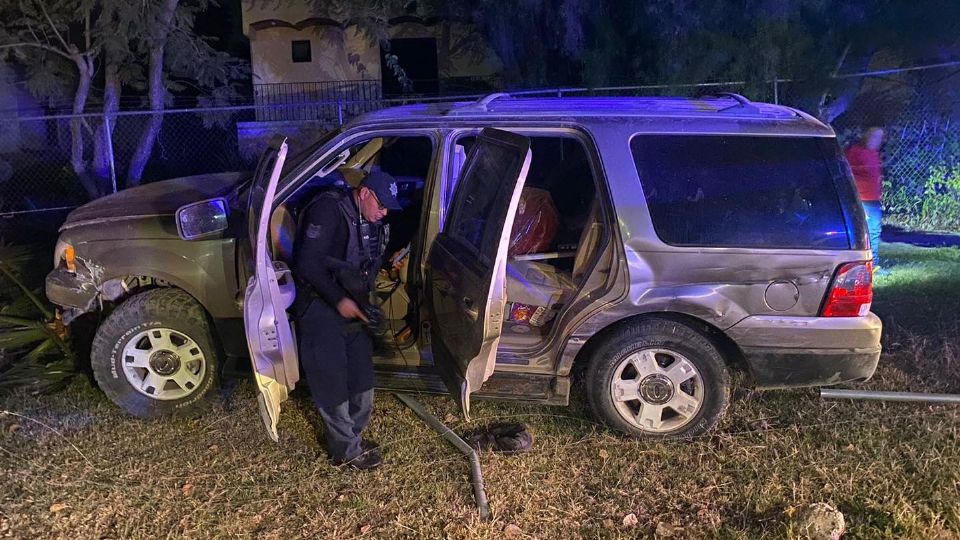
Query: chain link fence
(919, 112)
(44, 173)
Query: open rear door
(467, 263)
(270, 291)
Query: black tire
(665, 341)
(166, 311)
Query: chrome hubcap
(163, 364)
(657, 390)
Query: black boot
(364, 462)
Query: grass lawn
(80, 468)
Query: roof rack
(482, 104)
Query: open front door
(467, 263)
(270, 291)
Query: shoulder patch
(314, 231)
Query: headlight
(65, 253)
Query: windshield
(302, 156)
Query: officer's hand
(348, 309)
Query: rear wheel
(658, 378)
(155, 354)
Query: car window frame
(349, 138)
(579, 133)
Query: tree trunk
(84, 78)
(846, 90)
(156, 91)
(102, 154)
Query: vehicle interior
(407, 159)
(554, 239)
(556, 234)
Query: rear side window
(741, 191)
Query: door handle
(469, 309)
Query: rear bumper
(785, 368)
(784, 352)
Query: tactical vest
(365, 243)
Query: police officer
(341, 246)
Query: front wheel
(155, 354)
(658, 378)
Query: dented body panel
(146, 247)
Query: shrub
(34, 350)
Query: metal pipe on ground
(913, 397)
(477, 475)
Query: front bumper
(784, 352)
(73, 292)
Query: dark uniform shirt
(324, 236)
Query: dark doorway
(418, 58)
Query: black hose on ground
(477, 475)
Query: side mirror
(202, 219)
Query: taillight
(851, 292)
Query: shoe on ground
(370, 447)
(366, 461)
(369, 457)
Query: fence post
(776, 90)
(559, 93)
(109, 142)
(340, 111)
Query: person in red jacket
(865, 163)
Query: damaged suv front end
(75, 288)
(130, 241)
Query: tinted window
(477, 218)
(741, 191)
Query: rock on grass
(820, 521)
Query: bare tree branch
(86, 21)
(66, 46)
(86, 126)
(39, 46)
(32, 33)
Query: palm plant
(34, 348)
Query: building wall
(340, 54)
(337, 55)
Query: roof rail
(480, 105)
(743, 103)
(736, 97)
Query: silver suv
(658, 243)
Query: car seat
(284, 220)
(540, 284)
